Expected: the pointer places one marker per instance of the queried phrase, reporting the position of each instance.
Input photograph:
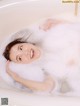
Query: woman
(22, 52)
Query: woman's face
(24, 53)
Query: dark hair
(6, 52)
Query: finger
(10, 73)
(7, 64)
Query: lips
(31, 53)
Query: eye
(20, 59)
(21, 47)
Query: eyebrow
(18, 47)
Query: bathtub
(18, 14)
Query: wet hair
(6, 52)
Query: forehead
(15, 47)
(14, 52)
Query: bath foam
(65, 41)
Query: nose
(25, 52)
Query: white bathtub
(18, 14)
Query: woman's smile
(31, 53)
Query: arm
(37, 31)
(47, 85)
(49, 23)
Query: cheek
(25, 59)
(12, 57)
(25, 47)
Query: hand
(49, 23)
(49, 82)
(15, 76)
